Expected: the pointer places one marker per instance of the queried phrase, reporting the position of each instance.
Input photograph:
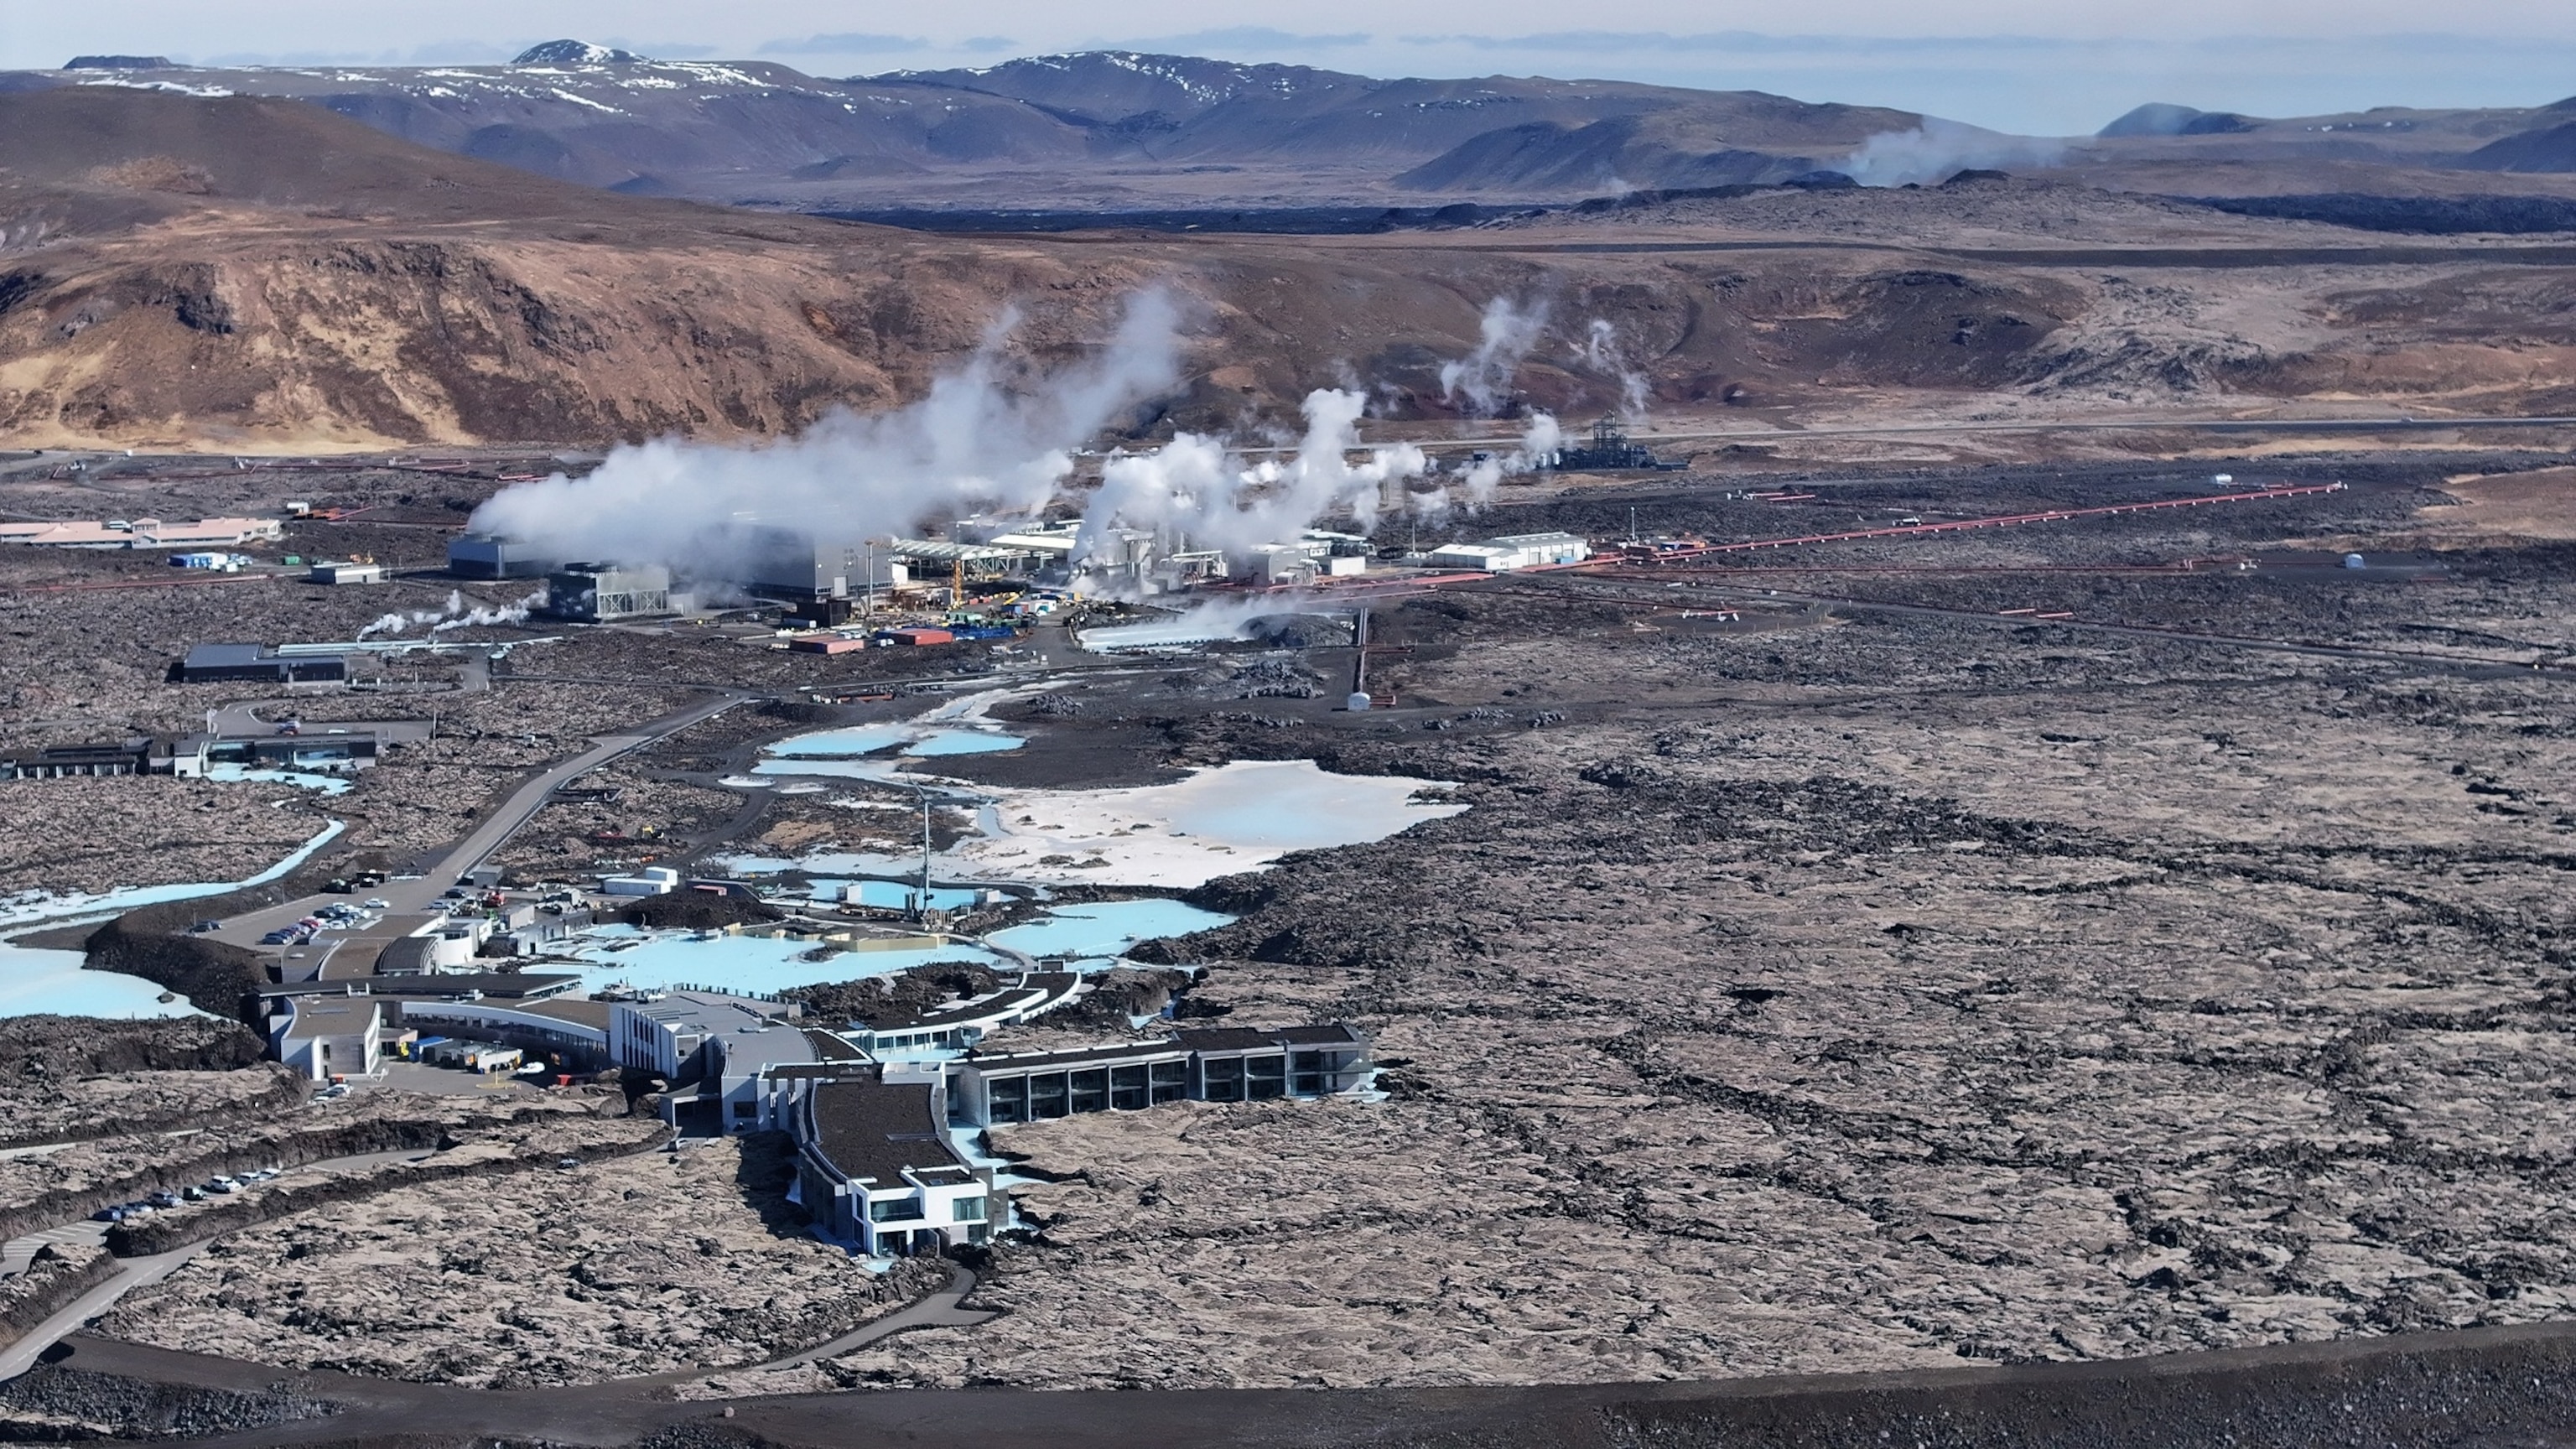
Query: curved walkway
(943, 1308)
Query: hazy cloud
(988, 44)
(1747, 42)
(1247, 38)
(846, 43)
(445, 52)
(660, 49)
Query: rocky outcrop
(217, 978)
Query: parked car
(202, 927)
(224, 1184)
(375, 903)
(334, 1091)
(192, 1193)
(165, 1198)
(108, 1215)
(277, 938)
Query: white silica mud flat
(1219, 821)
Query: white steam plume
(1202, 621)
(1938, 149)
(455, 615)
(396, 622)
(1481, 477)
(1201, 487)
(1601, 349)
(1483, 378)
(974, 442)
(510, 613)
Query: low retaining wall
(285, 1150)
(47, 1288)
(162, 1235)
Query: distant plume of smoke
(1483, 378)
(1482, 477)
(1200, 486)
(510, 613)
(1601, 349)
(1938, 149)
(980, 439)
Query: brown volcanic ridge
(260, 274)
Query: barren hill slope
(249, 274)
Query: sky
(2039, 67)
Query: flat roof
(870, 1132)
(1037, 987)
(1251, 1038)
(329, 1016)
(1143, 1051)
(710, 1010)
(830, 1048)
(582, 1011)
(506, 985)
(827, 1071)
(214, 656)
(954, 552)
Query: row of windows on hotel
(1041, 1095)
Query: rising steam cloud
(1202, 487)
(986, 440)
(977, 441)
(455, 615)
(1601, 349)
(1482, 380)
(1938, 149)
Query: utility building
(250, 663)
(599, 593)
(800, 565)
(490, 556)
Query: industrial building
(189, 756)
(600, 593)
(324, 572)
(256, 664)
(145, 533)
(1512, 551)
(490, 556)
(800, 565)
(1611, 449)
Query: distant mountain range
(1116, 130)
(1099, 129)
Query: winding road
(415, 896)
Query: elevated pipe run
(1962, 525)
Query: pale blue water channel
(1095, 934)
(1107, 928)
(34, 981)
